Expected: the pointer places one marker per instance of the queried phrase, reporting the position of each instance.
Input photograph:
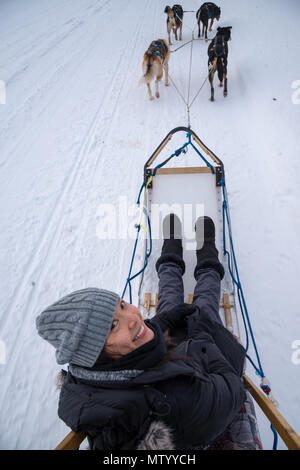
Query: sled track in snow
(47, 87)
(48, 242)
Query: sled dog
(217, 58)
(207, 11)
(155, 60)
(174, 21)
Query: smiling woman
(171, 382)
(128, 331)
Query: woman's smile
(128, 331)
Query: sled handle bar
(169, 136)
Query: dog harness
(219, 47)
(177, 10)
(210, 7)
(158, 48)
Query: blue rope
(147, 254)
(204, 159)
(237, 281)
(140, 192)
(275, 442)
(129, 277)
(131, 265)
(174, 154)
(242, 302)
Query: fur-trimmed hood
(60, 378)
(158, 437)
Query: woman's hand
(172, 318)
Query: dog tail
(198, 14)
(148, 69)
(220, 69)
(148, 76)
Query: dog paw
(220, 84)
(166, 84)
(157, 95)
(225, 94)
(151, 98)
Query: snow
(76, 131)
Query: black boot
(172, 246)
(206, 251)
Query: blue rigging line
(242, 302)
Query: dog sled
(190, 182)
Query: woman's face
(128, 331)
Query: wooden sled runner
(189, 191)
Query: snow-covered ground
(75, 132)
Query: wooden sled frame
(286, 432)
(218, 169)
(292, 440)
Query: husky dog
(155, 60)
(217, 58)
(174, 21)
(207, 11)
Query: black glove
(175, 317)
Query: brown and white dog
(174, 21)
(155, 61)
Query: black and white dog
(207, 11)
(217, 58)
(174, 21)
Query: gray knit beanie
(78, 325)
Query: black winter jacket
(196, 398)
